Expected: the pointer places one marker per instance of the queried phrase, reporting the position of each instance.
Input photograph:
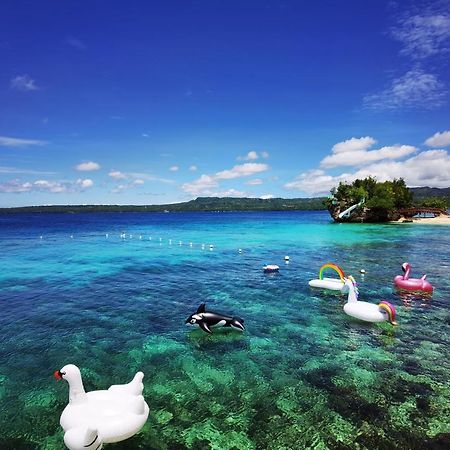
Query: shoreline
(438, 220)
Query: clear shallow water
(303, 375)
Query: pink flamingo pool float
(412, 284)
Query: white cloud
(229, 193)
(267, 196)
(6, 141)
(428, 168)
(15, 186)
(423, 35)
(4, 169)
(173, 168)
(117, 175)
(354, 152)
(439, 139)
(84, 184)
(414, 90)
(126, 186)
(23, 83)
(254, 182)
(201, 186)
(87, 166)
(206, 183)
(193, 168)
(242, 170)
(354, 145)
(54, 187)
(252, 156)
(75, 43)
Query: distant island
(199, 204)
(422, 195)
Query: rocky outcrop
(361, 214)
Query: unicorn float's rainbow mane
(390, 310)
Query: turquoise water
(302, 375)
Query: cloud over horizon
(355, 152)
(439, 139)
(420, 168)
(6, 141)
(54, 187)
(207, 183)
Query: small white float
(333, 284)
(97, 417)
(368, 312)
(270, 268)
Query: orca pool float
(207, 320)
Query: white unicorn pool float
(97, 417)
(369, 312)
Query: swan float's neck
(77, 393)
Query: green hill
(199, 204)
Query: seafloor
(302, 376)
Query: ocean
(303, 375)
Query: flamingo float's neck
(407, 269)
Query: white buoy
(170, 241)
(362, 271)
(286, 258)
(150, 238)
(190, 244)
(140, 236)
(40, 237)
(160, 239)
(71, 236)
(106, 235)
(240, 250)
(131, 236)
(203, 246)
(180, 243)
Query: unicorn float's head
(353, 292)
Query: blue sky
(150, 102)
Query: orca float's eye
(192, 320)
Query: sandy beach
(438, 220)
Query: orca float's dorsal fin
(201, 308)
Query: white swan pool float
(97, 417)
(368, 312)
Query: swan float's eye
(62, 373)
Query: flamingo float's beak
(58, 375)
